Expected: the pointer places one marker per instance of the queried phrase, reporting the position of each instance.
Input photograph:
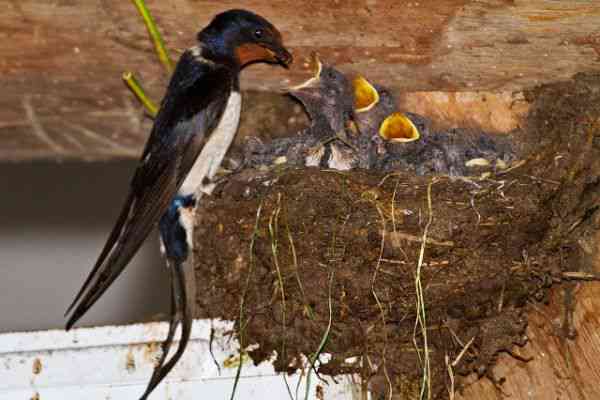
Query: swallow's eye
(258, 34)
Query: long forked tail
(112, 239)
(125, 239)
(183, 300)
(110, 270)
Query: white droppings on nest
(477, 162)
(269, 182)
(500, 164)
(280, 160)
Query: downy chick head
(372, 104)
(240, 37)
(382, 129)
(327, 97)
(376, 115)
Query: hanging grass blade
(314, 357)
(136, 88)
(241, 323)
(159, 44)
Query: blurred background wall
(54, 219)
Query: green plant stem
(137, 90)
(312, 359)
(243, 300)
(159, 44)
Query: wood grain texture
(61, 60)
(62, 97)
(560, 369)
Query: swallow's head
(242, 37)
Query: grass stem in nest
(421, 320)
(243, 300)
(314, 357)
(273, 233)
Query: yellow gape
(365, 95)
(397, 127)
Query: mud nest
(417, 269)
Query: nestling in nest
(356, 124)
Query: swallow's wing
(191, 109)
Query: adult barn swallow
(193, 129)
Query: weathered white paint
(115, 362)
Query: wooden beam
(61, 61)
(560, 368)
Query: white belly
(214, 150)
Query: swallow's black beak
(280, 54)
(285, 57)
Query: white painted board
(116, 362)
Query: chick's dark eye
(258, 33)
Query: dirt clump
(417, 269)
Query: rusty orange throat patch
(250, 52)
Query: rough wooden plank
(560, 369)
(61, 61)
